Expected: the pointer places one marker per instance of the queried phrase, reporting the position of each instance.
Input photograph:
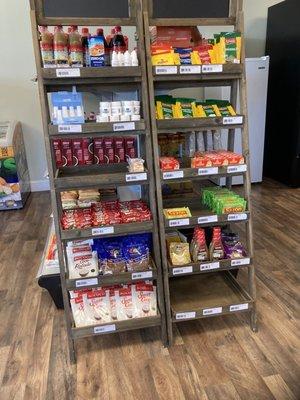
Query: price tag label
(182, 271)
(233, 120)
(212, 68)
(237, 217)
(68, 72)
(104, 329)
(208, 171)
(187, 315)
(209, 266)
(166, 70)
(239, 307)
(190, 69)
(241, 261)
(136, 177)
(236, 168)
(208, 220)
(70, 128)
(86, 282)
(142, 275)
(213, 311)
(108, 230)
(179, 222)
(173, 175)
(124, 126)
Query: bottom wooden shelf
(207, 295)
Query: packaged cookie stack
(82, 260)
(223, 201)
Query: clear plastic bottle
(100, 32)
(85, 35)
(75, 49)
(118, 43)
(46, 46)
(60, 45)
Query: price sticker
(208, 171)
(86, 282)
(236, 168)
(233, 120)
(190, 69)
(166, 70)
(108, 230)
(212, 68)
(70, 128)
(208, 220)
(239, 307)
(241, 261)
(104, 329)
(182, 271)
(187, 315)
(179, 222)
(125, 126)
(68, 72)
(213, 311)
(173, 175)
(209, 266)
(136, 177)
(237, 217)
(142, 275)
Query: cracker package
(144, 295)
(180, 212)
(179, 253)
(97, 306)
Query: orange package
(168, 163)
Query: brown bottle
(46, 46)
(216, 249)
(75, 47)
(60, 43)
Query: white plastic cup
(116, 111)
(115, 118)
(125, 118)
(102, 118)
(128, 110)
(135, 117)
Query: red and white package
(79, 312)
(77, 152)
(125, 308)
(57, 149)
(168, 163)
(82, 265)
(97, 306)
(67, 156)
(113, 302)
(130, 147)
(88, 152)
(109, 151)
(144, 298)
(99, 151)
(119, 150)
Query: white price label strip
(86, 282)
(213, 311)
(190, 69)
(239, 307)
(241, 261)
(69, 128)
(173, 175)
(124, 126)
(136, 177)
(187, 315)
(103, 231)
(207, 220)
(142, 275)
(104, 329)
(236, 168)
(209, 266)
(68, 72)
(233, 120)
(179, 222)
(237, 217)
(208, 171)
(182, 271)
(166, 70)
(212, 68)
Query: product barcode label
(233, 120)
(237, 217)
(241, 261)
(173, 175)
(208, 171)
(136, 177)
(124, 126)
(179, 222)
(190, 69)
(236, 168)
(104, 329)
(186, 315)
(182, 271)
(70, 128)
(142, 275)
(86, 282)
(212, 68)
(213, 311)
(68, 72)
(209, 266)
(239, 307)
(166, 70)
(207, 220)
(108, 230)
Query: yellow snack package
(179, 212)
(180, 253)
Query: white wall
(19, 95)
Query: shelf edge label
(242, 261)
(108, 230)
(212, 68)
(207, 220)
(190, 69)
(86, 282)
(104, 329)
(179, 222)
(208, 171)
(233, 120)
(70, 128)
(124, 126)
(237, 217)
(213, 311)
(166, 70)
(236, 168)
(142, 275)
(173, 175)
(239, 307)
(209, 266)
(68, 72)
(186, 315)
(136, 177)
(182, 270)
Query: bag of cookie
(144, 295)
(125, 309)
(97, 306)
(137, 255)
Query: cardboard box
(176, 36)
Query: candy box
(67, 156)
(180, 212)
(77, 151)
(109, 152)
(169, 164)
(130, 150)
(99, 151)
(88, 153)
(119, 150)
(57, 150)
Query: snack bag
(125, 308)
(82, 262)
(79, 313)
(179, 253)
(185, 108)
(137, 255)
(97, 306)
(165, 107)
(180, 212)
(144, 299)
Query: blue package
(67, 108)
(97, 51)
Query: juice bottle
(118, 43)
(46, 46)
(109, 39)
(100, 33)
(60, 44)
(216, 249)
(85, 35)
(75, 49)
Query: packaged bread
(179, 253)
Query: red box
(130, 150)
(77, 152)
(119, 150)
(109, 151)
(88, 153)
(99, 151)
(67, 155)
(176, 36)
(57, 149)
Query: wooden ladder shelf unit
(113, 79)
(209, 289)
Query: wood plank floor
(213, 359)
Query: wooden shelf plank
(192, 21)
(90, 127)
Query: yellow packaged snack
(180, 253)
(180, 212)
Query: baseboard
(40, 186)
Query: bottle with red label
(61, 46)
(75, 47)
(118, 43)
(216, 249)
(46, 46)
(85, 35)
(100, 33)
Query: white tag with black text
(209, 266)
(108, 230)
(105, 328)
(179, 222)
(237, 217)
(136, 177)
(166, 70)
(208, 171)
(68, 72)
(233, 120)
(207, 220)
(69, 128)
(239, 307)
(241, 261)
(187, 315)
(182, 270)
(124, 126)
(141, 275)
(236, 168)
(86, 282)
(190, 69)
(213, 311)
(212, 68)
(173, 175)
